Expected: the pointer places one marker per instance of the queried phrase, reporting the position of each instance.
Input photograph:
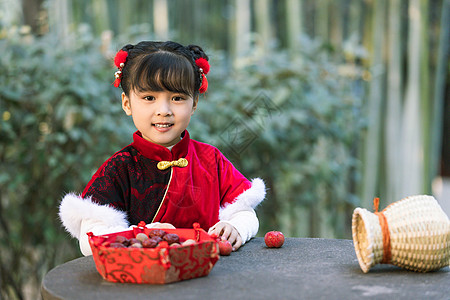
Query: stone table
(302, 269)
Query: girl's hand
(227, 232)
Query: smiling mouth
(160, 125)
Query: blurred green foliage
(294, 124)
(60, 119)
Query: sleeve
(101, 207)
(231, 182)
(81, 215)
(241, 214)
(239, 198)
(110, 184)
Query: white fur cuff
(248, 200)
(73, 209)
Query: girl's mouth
(163, 125)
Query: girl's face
(161, 117)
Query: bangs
(161, 71)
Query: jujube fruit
(149, 243)
(122, 240)
(134, 241)
(171, 238)
(157, 239)
(225, 247)
(117, 245)
(156, 232)
(274, 239)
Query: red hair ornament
(203, 66)
(119, 61)
(204, 85)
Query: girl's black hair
(158, 66)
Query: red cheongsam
(130, 181)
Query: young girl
(163, 177)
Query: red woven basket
(163, 264)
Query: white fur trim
(73, 209)
(249, 199)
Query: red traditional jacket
(130, 181)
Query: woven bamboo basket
(413, 233)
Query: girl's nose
(164, 109)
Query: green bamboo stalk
(124, 17)
(413, 169)
(161, 19)
(367, 25)
(242, 28)
(60, 20)
(101, 20)
(232, 31)
(321, 21)
(394, 103)
(294, 24)
(425, 96)
(113, 16)
(375, 103)
(336, 20)
(439, 90)
(322, 219)
(355, 18)
(263, 24)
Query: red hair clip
(203, 66)
(119, 61)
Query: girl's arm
(80, 216)
(241, 213)
(98, 209)
(239, 198)
(101, 207)
(238, 221)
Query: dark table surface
(302, 269)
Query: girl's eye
(149, 98)
(177, 98)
